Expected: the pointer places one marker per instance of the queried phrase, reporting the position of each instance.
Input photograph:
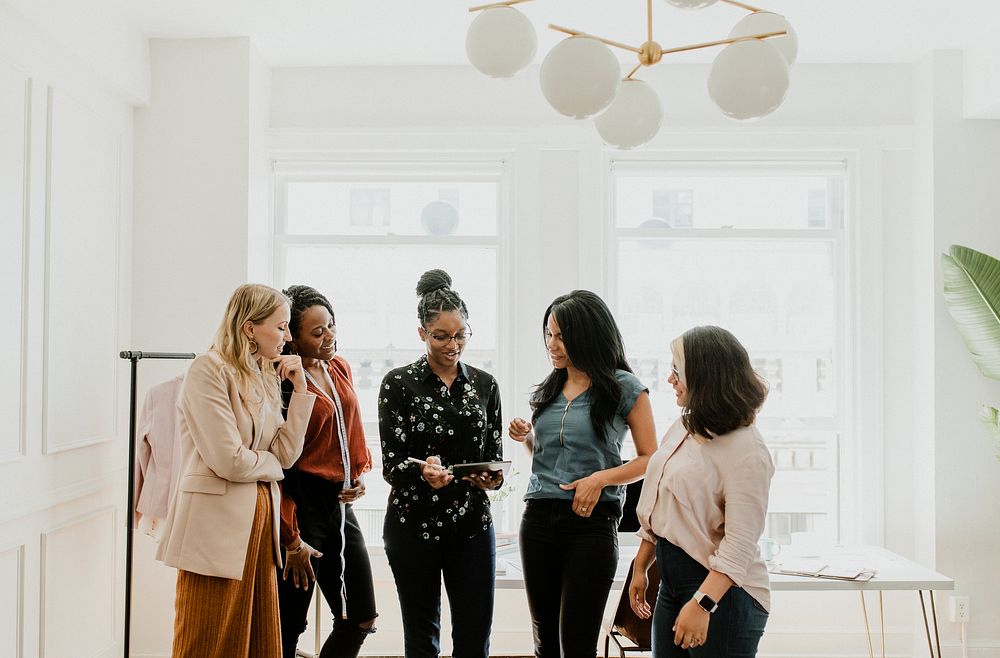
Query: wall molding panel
(15, 148)
(78, 586)
(80, 387)
(12, 602)
(56, 497)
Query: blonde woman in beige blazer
(222, 528)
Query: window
(363, 235)
(758, 248)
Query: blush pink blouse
(709, 498)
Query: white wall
(65, 214)
(966, 211)
(449, 97)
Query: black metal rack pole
(133, 357)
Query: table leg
(927, 628)
(868, 630)
(881, 621)
(937, 636)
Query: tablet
(460, 470)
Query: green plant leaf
(991, 416)
(972, 294)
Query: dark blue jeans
(468, 566)
(735, 628)
(569, 565)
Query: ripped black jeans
(318, 515)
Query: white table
(893, 573)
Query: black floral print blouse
(419, 416)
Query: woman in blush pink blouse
(703, 506)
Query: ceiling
(432, 32)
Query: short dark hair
(437, 297)
(595, 346)
(302, 298)
(724, 392)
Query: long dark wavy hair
(595, 346)
(724, 392)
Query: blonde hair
(251, 302)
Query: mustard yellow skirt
(224, 618)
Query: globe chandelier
(581, 77)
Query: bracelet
(296, 550)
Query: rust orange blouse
(321, 452)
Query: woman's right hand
(299, 564)
(435, 474)
(519, 429)
(289, 366)
(637, 594)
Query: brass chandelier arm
(632, 72)
(668, 51)
(649, 20)
(505, 3)
(577, 33)
(723, 42)
(743, 6)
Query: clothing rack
(134, 357)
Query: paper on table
(822, 569)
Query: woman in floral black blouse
(443, 412)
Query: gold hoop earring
(253, 347)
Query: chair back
(626, 622)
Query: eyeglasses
(461, 338)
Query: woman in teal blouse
(580, 414)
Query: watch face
(707, 602)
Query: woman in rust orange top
(320, 534)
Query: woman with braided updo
(442, 412)
(319, 531)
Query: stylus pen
(423, 463)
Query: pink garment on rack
(157, 455)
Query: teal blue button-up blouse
(568, 448)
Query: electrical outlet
(959, 610)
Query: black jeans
(735, 629)
(318, 514)
(468, 566)
(569, 565)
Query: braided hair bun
(436, 297)
(432, 280)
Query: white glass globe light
(691, 4)
(634, 117)
(748, 79)
(762, 22)
(580, 76)
(501, 42)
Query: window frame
(404, 166)
(860, 489)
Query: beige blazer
(228, 444)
